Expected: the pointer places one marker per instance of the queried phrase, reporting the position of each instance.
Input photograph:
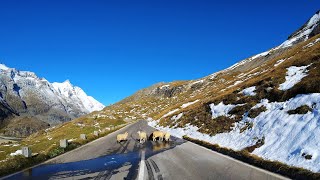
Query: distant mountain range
(29, 103)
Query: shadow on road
(121, 162)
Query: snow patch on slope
(287, 137)
(189, 103)
(279, 62)
(177, 117)
(3, 67)
(221, 109)
(249, 91)
(169, 113)
(294, 75)
(18, 152)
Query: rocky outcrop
(168, 91)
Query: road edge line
(142, 166)
(244, 163)
(87, 144)
(49, 160)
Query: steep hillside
(29, 103)
(267, 104)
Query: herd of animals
(162, 136)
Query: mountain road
(104, 158)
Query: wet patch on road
(125, 165)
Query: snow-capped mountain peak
(314, 19)
(3, 67)
(73, 93)
(309, 29)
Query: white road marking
(243, 163)
(142, 166)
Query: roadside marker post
(26, 152)
(83, 136)
(96, 133)
(63, 143)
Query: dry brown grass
(267, 88)
(248, 125)
(259, 143)
(300, 110)
(256, 111)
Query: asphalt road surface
(178, 159)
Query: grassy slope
(147, 103)
(46, 142)
(221, 89)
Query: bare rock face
(23, 94)
(168, 91)
(315, 31)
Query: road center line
(142, 166)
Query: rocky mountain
(267, 104)
(29, 103)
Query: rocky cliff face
(23, 94)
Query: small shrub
(253, 113)
(55, 152)
(220, 124)
(238, 110)
(307, 156)
(229, 99)
(248, 125)
(300, 110)
(20, 162)
(72, 146)
(258, 144)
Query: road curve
(178, 159)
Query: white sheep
(157, 134)
(122, 137)
(142, 136)
(166, 136)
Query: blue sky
(113, 48)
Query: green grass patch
(46, 149)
